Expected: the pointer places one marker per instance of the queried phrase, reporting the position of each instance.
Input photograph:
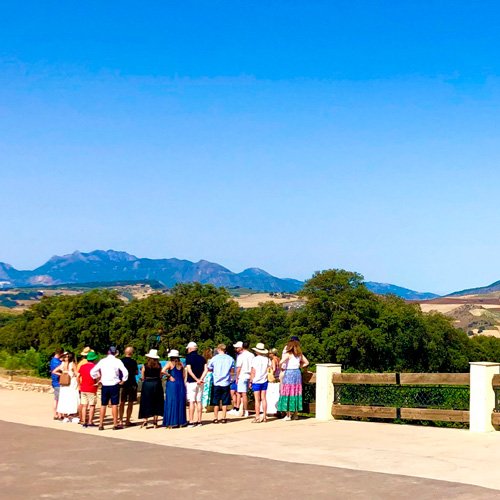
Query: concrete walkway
(433, 453)
(48, 463)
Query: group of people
(200, 380)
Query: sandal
(215, 421)
(223, 421)
(255, 421)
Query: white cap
(238, 345)
(192, 345)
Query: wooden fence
(424, 380)
(495, 415)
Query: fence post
(482, 395)
(324, 389)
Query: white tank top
(293, 363)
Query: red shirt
(88, 383)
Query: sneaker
(65, 420)
(84, 426)
(246, 414)
(199, 424)
(75, 420)
(234, 411)
(190, 425)
(287, 418)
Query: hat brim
(260, 351)
(152, 356)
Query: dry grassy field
(250, 300)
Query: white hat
(260, 348)
(238, 345)
(192, 345)
(174, 353)
(153, 354)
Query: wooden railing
(429, 383)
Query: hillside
(405, 293)
(494, 287)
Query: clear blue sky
(291, 136)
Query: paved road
(47, 463)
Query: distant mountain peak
(255, 271)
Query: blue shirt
(221, 366)
(54, 363)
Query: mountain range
(110, 265)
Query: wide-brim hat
(85, 351)
(153, 354)
(174, 353)
(260, 348)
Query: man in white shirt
(243, 368)
(111, 372)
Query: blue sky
(294, 137)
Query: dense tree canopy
(341, 321)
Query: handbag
(270, 375)
(64, 379)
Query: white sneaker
(233, 412)
(65, 420)
(75, 420)
(246, 414)
(287, 418)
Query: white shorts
(194, 392)
(243, 384)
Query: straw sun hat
(260, 348)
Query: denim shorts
(260, 387)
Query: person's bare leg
(130, 407)
(199, 409)
(244, 399)
(257, 405)
(191, 412)
(216, 412)
(91, 415)
(83, 414)
(114, 412)
(122, 411)
(224, 411)
(102, 414)
(264, 406)
(56, 413)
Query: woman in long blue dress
(175, 392)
